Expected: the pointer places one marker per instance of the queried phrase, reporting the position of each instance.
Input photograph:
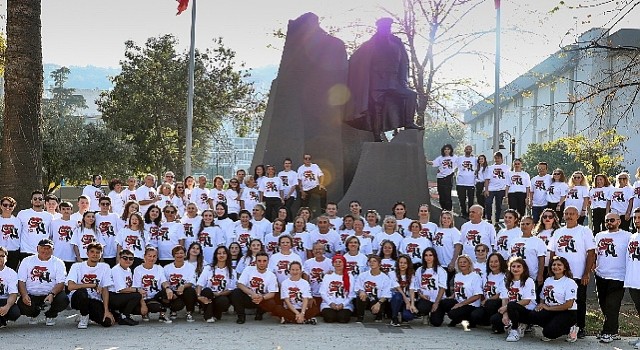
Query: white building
(535, 106)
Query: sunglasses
(105, 203)
(128, 258)
(557, 174)
(547, 216)
(610, 220)
(7, 205)
(38, 198)
(526, 223)
(480, 250)
(169, 212)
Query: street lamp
(496, 93)
(512, 144)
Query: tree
(554, 153)
(21, 168)
(149, 100)
(602, 154)
(63, 102)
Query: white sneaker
(521, 328)
(164, 319)
(211, 320)
(513, 336)
(52, 321)
(573, 334)
(84, 322)
(190, 317)
(33, 320)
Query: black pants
(516, 312)
(110, 261)
(482, 315)
(450, 277)
(362, 306)
(597, 216)
(94, 308)
(554, 323)
(559, 213)
(624, 224)
(424, 308)
(155, 304)
(13, 259)
(242, 301)
(315, 192)
(480, 194)
(12, 315)
(340, 316)
(496, 196)
(465, 197)
(272, 205)
(186, 300)
(217, 306)
(517, 201)
(581, 302)
(288, 203)
(445, 185)
(536, 212)
(635, 296)
(455, 315)
(58, 305)
(610, 294)
(124, 303)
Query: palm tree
(21, 168)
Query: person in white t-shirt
(233, 198)
(117, 196)
(129, 193)
(89, 283)
(466, 166)
(107, 224)
(539, 185)
(557, 192)
(131, 238)
(428, 286)
(610, 272)
(295, 292)
(10, 228)
(620, 200)
(414, 244)
(271, 193)
(598, 201)
(575, 243)
(480, 173)
(445, 163)
(518, 188)
(250, 196)
(182, 280)
(578, 194)
(632, 268)
(338, 292)
(493, 285)
(9, 311)
(51, 205)
(472, 233)
(510, 232)
(215, 285)
(200, 194)
(94, 192)
(280, 261)
(556, 312)
(61, 232)
(495, 183)
(530, 248)
(444, 240)
(85, 234)
(289, 178)
(35, 225)
(315, 269)
(310, 183)
(41, 280)
(257, 288)
(147, 193)
(373, 289)
(518, 298)
(152, 283)
(332, 214)
(123, 297)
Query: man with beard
(35, 225)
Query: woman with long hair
(598, 201)
(215, 285)
(424, 218)
(510, 232)
(548, 224)
(428, 287)
(496, 268)
(130, 207)
(401, 295)
(191, 222)
(132, 238)
(414, 244)
(482, 167)
(233, 198)
(84, 234)
(389, 255)
(337, 291)
(210, 235)
(399, 210)
(271, 240)
(243, 232)
(249, 259)
(557, 192)
(300, 237)
(578, 194)
(620, 200)
(180, 199)
(530, 248)
(189, 185)
(518, 298)
(236, 254)
(152, 222)
(196, 258)
(445, 164)
(307, 215)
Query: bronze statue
(378, 73)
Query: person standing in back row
(495, 184)
(446, 167)
(310, 183)
(466, 179)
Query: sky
(93, 32)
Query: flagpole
(192, 50)
(496, 94)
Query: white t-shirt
(295, 291)
(545, 236)
(250, 197)
(144, 193)
(122, 278)
(414, 247)
(117, 202)
(8, 282)
(556, 191)
(576, 196)
(403, 226)
(301, 243)
(316, 270)
(289, 179)
(632, 268)
(61, 234)
(82, 237)
(378, 286)
(388, 266)
(82, 273)
(573, 244)
(498, 176)
(150, 280)
(129, 195)
(473, 234)
(539, 187)
(557, 292)
(427, 281)
(530, 249)
(35, 227)
(171, 233)
(108, 228)
(636, 195)
(41, 276)
(310, 176)
(395, 237)
(191, 227)
(262, 227)
(371, 231)
(356, 264)
(518, 291)
(466, 286)
(259, 282)
(366, 246)
(620, 198)
(94, 194)
(611, 254)
(518, 182)
(331, 241)
(444, 240)
(428, 230)
(179, 276)
(200, 196)
(279, 264)
(217, 196)
(504, 239)
(210, 238)
(270, 187)
(494, 284)
(599, 197)
(243, 237)
(445, 165)
(11, 228)
(466, 170)
(233, 201)
(332, 290)
(271, 243)
(132, 240)
(217, 279)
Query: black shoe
(581, 333)
(3, 323)
(379, 318)
(241, 319)
(127, 321)
(359, 319)
(258, 317)
(394, 322)
(413, 126)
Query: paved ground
(267, 334)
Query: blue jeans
(488, 206)
(536, 212)
(398, 305)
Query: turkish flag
(497, 2)
(182, 6)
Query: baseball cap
(45, 242)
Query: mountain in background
(92, 77)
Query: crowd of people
(159, 250)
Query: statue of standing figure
(378, 81)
